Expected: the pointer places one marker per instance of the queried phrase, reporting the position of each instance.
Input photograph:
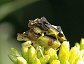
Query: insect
(48, 29)
(41, 27)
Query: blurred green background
(14, 16)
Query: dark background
(68, 14)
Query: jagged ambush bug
(41, 29)
(47, 28)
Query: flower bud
(64, 53)
(21, 60)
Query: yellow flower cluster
(40, 55)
